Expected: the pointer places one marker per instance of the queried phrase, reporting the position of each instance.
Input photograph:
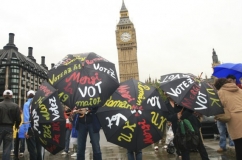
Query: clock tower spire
(127, 47)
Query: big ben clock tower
(127, 47)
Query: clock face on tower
(125, 37)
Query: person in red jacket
(67, 114)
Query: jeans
(222, 134)
(6, 136)
(36, 151)
(67, 142)
(134, 155)
(83, 130)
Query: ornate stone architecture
(20, 73)
(215, 59)
(127, 47)
(215, 63)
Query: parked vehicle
(209, 127)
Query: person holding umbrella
(88, 124)
(231, 98)
(176, 113)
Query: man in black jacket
(9, 116)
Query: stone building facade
(20, 73)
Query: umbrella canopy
(133, 117)
(191, 92)
(223, 70)
(84, 80)
(47, 118)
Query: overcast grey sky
(172, 35)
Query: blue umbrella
(223, 70)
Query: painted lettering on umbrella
(213, 98)
(136, 110)
(154, 101)
(188, 101)
(46, 90)
(116, 118)
(158, 120)
(141, 93)
(44, 111)
(76, 77)
(68, 88)
(89, 102)
(55, 126)
(39, 100)
(54, 108)
(43, 141)
(202, 98)
(124, 91)
(172, 77)
(36, 120)
(63, 97)
(90, 91)
(92, 61)
(109, 71)
(75, 59)
(201, 101)
(117, 103)
(56, 138)
(126, 137)
(181, 87)
(47, 131)
(60, 75)
(146, 132)
(66, 71)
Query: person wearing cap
(9, 116)
(36, 151)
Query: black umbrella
(84, 80)
(192, 92)
(133, 117)
(47, 118)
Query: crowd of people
(83, 122)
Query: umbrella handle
(82, 115)
(182, 110)
(200, 75)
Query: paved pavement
(113, 152)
